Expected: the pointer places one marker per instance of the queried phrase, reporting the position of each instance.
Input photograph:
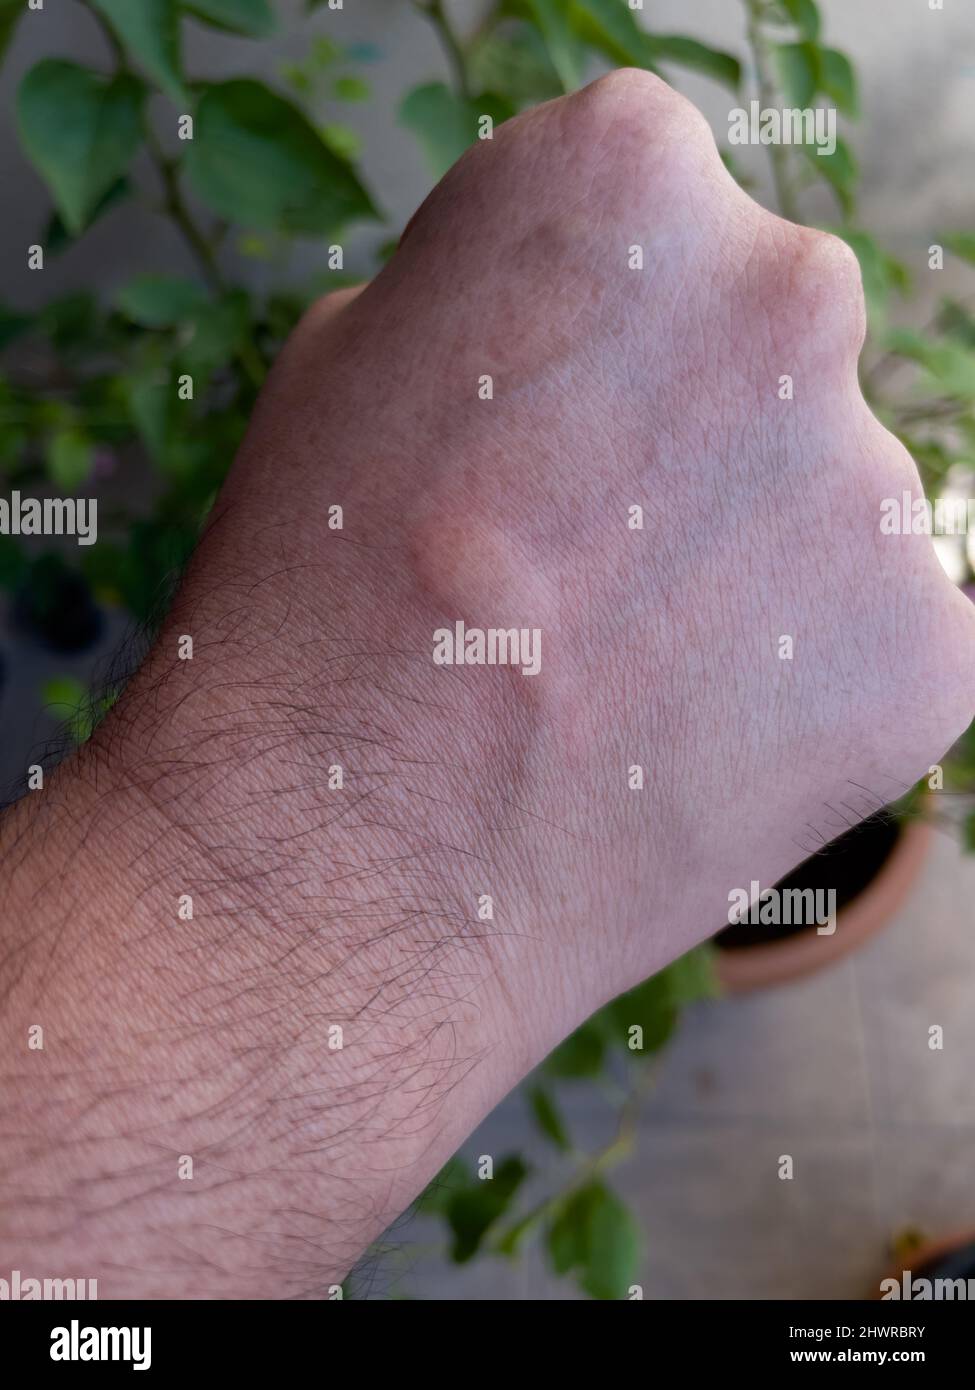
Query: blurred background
(317, 132)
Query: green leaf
(562, 45)
(838, 80)
(805, 15)
(10, 13)
(80, 130)
(439, 1191)
(160, 301)
(692, 977)
(56, 235)
(594, 1237)
(516, 64)
(64, 690)
(74, 324)
(324, 53)
(351, 89)
(838, 169)
(343, 140)
(689, 53)
(962, 244)
(650, 1007)
(256, 160)
(149, 30)
(254, 18)
(68, 459)
(152, 404)
(581, 1054)
(798, 69)
(510, 1242)
(257, 248)
(909, 343)
(386, 250)
(957, 322)
(969, 839)
(565, 1238)
(612, 1247)
(950, 367)
(654, 1006)
(446, 124)
(472, 1212)
(610, 26)
(548, 1119)
(297, 78)
(70, 703)
(218, 331)
(881, 273)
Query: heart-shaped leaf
(256, 160)
(80, 130)
(149, 30)
(447, 124)
(252, 17)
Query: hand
(485, 876)
(776, 665)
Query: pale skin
(209, 1038)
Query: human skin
(315, 906)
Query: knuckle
(632, 104)
(633, 137)
(324, 309)
(827, 287)
(308, 333)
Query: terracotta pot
(754, 967)
(931, 1260)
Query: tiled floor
(835, 1071)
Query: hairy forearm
(333, 1018)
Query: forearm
(334, 1017)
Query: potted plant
(871, 868)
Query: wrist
(231, 916)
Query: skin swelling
(612, 387)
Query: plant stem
(768, 91)
(248, 353)
(437, 15)
(619, 1147)
(622, 1145)
(890, 360)
(176, 207)
(929, 412)
(485, 29)
(174, 203)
